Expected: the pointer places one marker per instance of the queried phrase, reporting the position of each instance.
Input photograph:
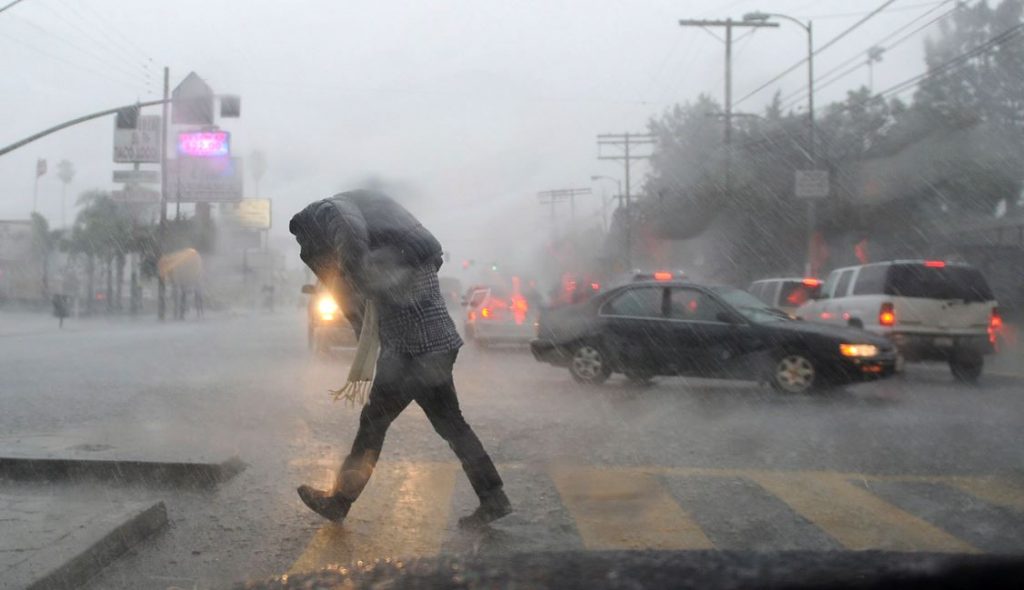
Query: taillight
(811, 282)
(519, 309)
(887, 315)
(663, 276)
(485, 312)
(935, 264)
(995, 326)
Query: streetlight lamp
(604, 201)
(808, 27)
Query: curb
(115, 543)
(176, 474)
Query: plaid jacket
(414, 319)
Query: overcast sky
(469, 107)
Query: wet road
(916, 463)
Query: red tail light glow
(935, 264)
(812, 282)
(995, 327)
(663, 276)
(595, 286)
(887, 315)
(485, 312)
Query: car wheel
(589, 365)
(794, 373)
(967, 367)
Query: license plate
(943, 342)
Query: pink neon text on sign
(204, 144)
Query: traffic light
(230, 106)
(128, 117)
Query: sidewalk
(51, 543)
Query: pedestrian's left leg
(435, 393)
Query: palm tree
(102, 232)
(66, 173)
(44, 242)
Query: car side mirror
(727, 318)
(308, 289)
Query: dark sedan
(676, 328)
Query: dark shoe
(326, 505)
(492, 507)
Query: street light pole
(808, 28)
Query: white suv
(931, 310)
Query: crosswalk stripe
(993, 491)
(625, 509)
(402, 512)
(855, 517)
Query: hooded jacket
(363, 245)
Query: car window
(830, 285)
(937, 282)
(762, 291)
(843, 285)
(692, 305)
(638, 303)
(796, 293)
(871, 280)
(477, 297)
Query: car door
(634, 328)
(703, 343)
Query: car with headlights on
(653, 328)
(326, 323)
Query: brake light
(663, 276)
(887, 315)
(935, 264)
(595, 286)
(519, 308)
(812, 282)
(995, 326)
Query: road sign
(204, 180)
(812, 184)
(141, 144)
(248, 213)
(136, 194)
(204, 144)
(137, 176)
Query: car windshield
(398, 293)
(750, 306)
(934, 282)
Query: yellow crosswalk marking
(854, 516)
(625, 509)
(993, 491)
(403, 511)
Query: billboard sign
(204, 180)
(247, 213)
(204, 144)
(141, 144)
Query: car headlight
(858, 350)
(327, 307)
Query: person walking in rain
(380, 261)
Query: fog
(477, 105)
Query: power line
(830, 43)
(78, 66)
(99, 41)
(956, 62)
(127, 43)
(891, 10)
(823, 81)
(11, 5)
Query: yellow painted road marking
(625, 509)
(993, 491)
(855, 517)
(402, 512)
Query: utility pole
(554, 197)
(162, 234)
(728, 24)
(625, 141)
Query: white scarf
(360, 376)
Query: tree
(102, 232)
(66, 173)
(44, 242)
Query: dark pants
(427, 380)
